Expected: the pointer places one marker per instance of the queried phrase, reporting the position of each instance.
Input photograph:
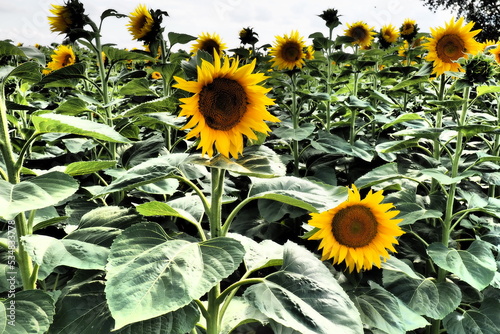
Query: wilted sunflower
(450, 43)
(388, 34)
(358, 231)
(208, 42)
(288, 51)
(361, 33)
(67, 17)
(141, 22)
(227, 104)
(63, 56)
(408, 30)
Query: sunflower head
(309, 51)
(388, 34)
(408, 30)
(495, 51)
(145, 25)
(63, 56)
(451, 43)
(248, 36)
(357, 231)
(361, 34)
(331, 17)
(227, 104)
(156, 75)
(68, 19)
(288, 51)
(478, 69)
(208, 43)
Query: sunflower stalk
(295, 120)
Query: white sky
(25, 21)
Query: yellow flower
(496, 53)
(408, 30)
(63, 56)
(155, 75)
(388, 35)
(227, 104)
(361, 33)
(288, 51)
(141, 22)
(450, 43)
(208, 42)
(67, 17)
(309, 52)
(358, 231)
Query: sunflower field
(346, 185)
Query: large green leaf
(49, 253)
(137, 87)
(260, 255)
(36, 193)
(425, 296)
(334, 144)
(55, 123)
(238, 313)
(476, 265)
(88, 167)
(469, 322)
(159, 105)
(156, 208)
(287, 132)
(174, 38)
(65, 77)
(116, 55)
(304, 296)
(33, 311)
(29, 71)
(379, 309)
(149, 274)
(109, 216)
(149, 171)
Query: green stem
(5, 142)
(25, 264)
(295, 120)
(327, 82)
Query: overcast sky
(25, 21)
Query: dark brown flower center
(291, 51)
(450, 47)
(67, 60)
(359, 33)
(223, 103)
(209, 45)
(354, 226)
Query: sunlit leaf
(33, 312)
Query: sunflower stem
(295, 120)
(327, 81)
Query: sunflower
(309, 52)
(361, 33)
(248, 36)
(68, 17)
(288, 51)
(450, 43)
(388, 34)
(227, 104)
(141, 22)
(63, 56)
(496, 53)
(408, 30)
(156, 75)
(358, 231)
(208, 42)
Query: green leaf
(149, 275)
(287, 132)
(156, 208)
(304, 296)
(402, 118)
(72, 106)
(397, 145)
(8, 49)
(238, 313)
(115, 55)
(36, 193)
(109, 216)
(149, 171)
(163, 104)
(425, 296)
(259, 161)
(65, 77)
(259, 255)
(429, 133)
(88, 167)
(472, 130)
(33, 312)
(378, 175)
(415, 81)
(168, 71)
(481, 90)
(49, 253)
(29, 72)
(54, 123)
(137, 87)
(476, 265)
(83, 310)
(379, 309)
(470, 321)
(334, 144)
(174, 38)
(444, 179)
(3, 318)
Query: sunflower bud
(331, 18)
(247, 36)
(478, 69)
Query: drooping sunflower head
(361, 33)
(288, 51)
(208, 42)
(331, 17)
(408, 30)
(357, 231)
(388, 34)
(145, 25)
(68, 17)
(227, 104)
(63, 56)
(451, 43)
(248, 36)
